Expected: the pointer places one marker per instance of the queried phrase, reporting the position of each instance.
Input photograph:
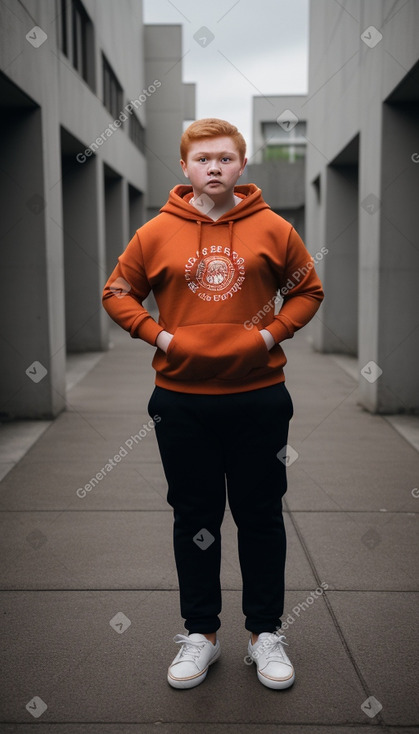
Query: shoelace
(189, 647)
(275, 645)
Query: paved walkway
(89, 599)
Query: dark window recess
(80, 22)
(112, 90)
(75, 37)
(62, 27)
(136, 132)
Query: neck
(221, 206)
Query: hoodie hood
(180, 196)
(179, 204)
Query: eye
(225, 158)
(202, 159)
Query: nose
(213, 168)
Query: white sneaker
(274, 668)
(190, 666)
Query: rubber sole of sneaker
(275, 683)
(193, 681)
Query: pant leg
(193, 464)
(256, 481)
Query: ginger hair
(211, 127)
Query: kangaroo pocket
(214, 351)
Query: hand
(268, 338)
(163, 340)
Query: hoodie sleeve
(125, 292)
(300, 288)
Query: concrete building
(278, 161)
(166, 113)
(82, 92)
(362, 191)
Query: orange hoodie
(216, 285)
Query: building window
(76, 39)
(80, 32)
(62, 27)
(274, 133)
(284, 144)
(136, 132)
(112, 90)
(285, 152)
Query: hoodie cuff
(279, 331)
(148, 330)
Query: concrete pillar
(136, 209)
(115, 219)
(340, 312)
(370, 255)
(397, 352)
(84, 251)
(315, 240)
(32, 364)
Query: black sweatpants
(213, 443)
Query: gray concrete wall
(34, 330)
(31, 373)
(359, 54)
(165, 112)
(283, 188)
(70, 213)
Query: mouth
(214, 181)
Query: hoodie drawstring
(199, 223)
(230, 239)
(230, 242)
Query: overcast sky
(259, 47)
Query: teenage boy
(215, 258)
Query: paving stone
(86, 671)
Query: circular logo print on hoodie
(215, 273)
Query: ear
(243, 166)
(184, 168)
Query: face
(213, 166)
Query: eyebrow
(223, 152)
